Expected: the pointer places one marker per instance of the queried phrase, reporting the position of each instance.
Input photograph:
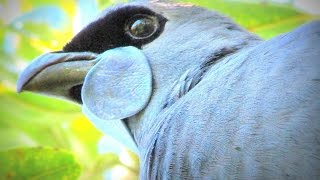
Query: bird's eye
(142, 26)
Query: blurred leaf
(58, 121)
(38, 163)
(100, 165)
(270, 30)
(102, 4)
(36, 115)
(37, 30)
(267, 20)
(7, 68)
(86, 12)
(16, 139)
(85, 138)
(38, 102)
(25, 50)
(2, 31)
(37, 3)
(67, 6)
(42, 15)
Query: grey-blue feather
(254, 115)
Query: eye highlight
(141, 26)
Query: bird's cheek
(119, 85)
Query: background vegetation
(46, 138)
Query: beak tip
(19, 89)
(22, 82)
(20, 86)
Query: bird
(193, 93)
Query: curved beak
(57, 73)
(62, 74)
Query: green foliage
(29, 120)
(38, 163)
(266, 20)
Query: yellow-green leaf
(264, 19)
(38, 163)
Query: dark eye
(142, 26)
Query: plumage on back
(254, 115)
(199, 96)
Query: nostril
(75, 93)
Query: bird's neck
(176, 76)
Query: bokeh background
(47, 138)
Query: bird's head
(130, 55)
